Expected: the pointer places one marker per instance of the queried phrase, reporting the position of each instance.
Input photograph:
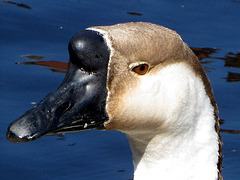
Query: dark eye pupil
(142, 68)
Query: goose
(143, 80)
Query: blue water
(45, 30)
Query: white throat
(185, 147)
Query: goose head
(143, 80)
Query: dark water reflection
(37, 32)
(17, 4)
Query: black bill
(79, 103)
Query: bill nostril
(66, 106)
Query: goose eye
(141, 69)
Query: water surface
(43, 28)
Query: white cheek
(164, 95)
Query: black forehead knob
(89, 51)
